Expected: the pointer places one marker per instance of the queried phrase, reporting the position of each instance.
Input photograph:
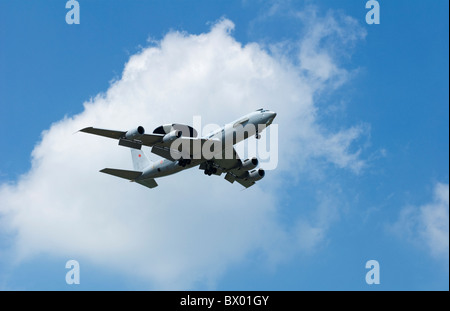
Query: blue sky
(392, 90)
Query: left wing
(236, 170)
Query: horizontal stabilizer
(149, 182)
(130, 175)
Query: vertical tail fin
(140, 160)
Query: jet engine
(186, 130)
(256, 175)
(171, 136)
(135, 133)
(249, 164)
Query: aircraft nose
(271, 115)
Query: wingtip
(82, 130)
(85, 129)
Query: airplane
(180, 149)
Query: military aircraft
(180, 149)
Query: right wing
(149, 140)
(103, 132)
(146, 139)
(186, 147)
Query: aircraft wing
(154, 140)
(147, 139)
(151, 139)
(245, 183)
(229, 160)
(103, 132)
(229, 163)
(186, 147)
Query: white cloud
(190, 229)
(427, 225)
(323, 41)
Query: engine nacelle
(249, 164)
(171, 136)
(135, 133)
(256, 175)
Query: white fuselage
(228, 135)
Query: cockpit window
(261, 109)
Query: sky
(362, 151)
